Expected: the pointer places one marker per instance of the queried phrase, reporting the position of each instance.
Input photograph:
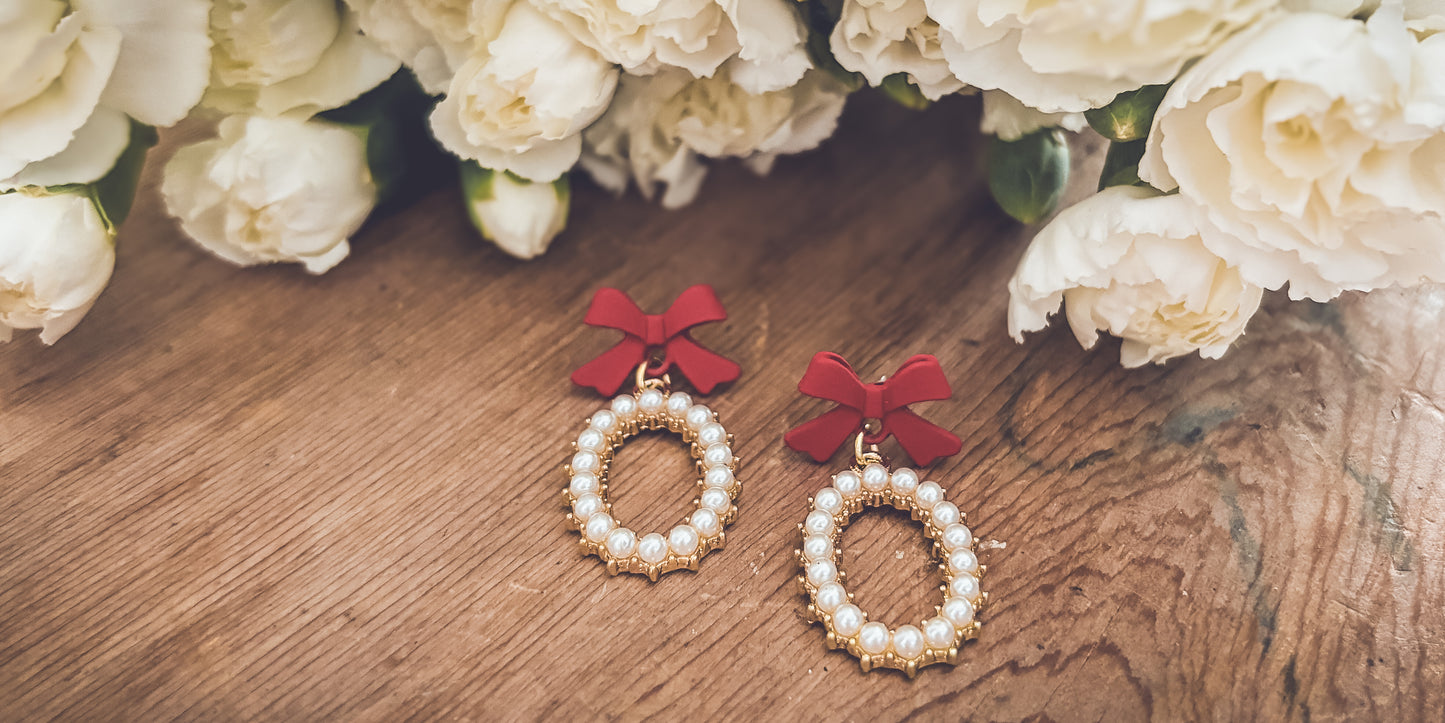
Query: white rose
(1132, 263)
(761, 40)
(520, 102)
(1004, 116)
(290, 57)
(1315, 143)
(55, 258)
(272, 189)
(70, 72)
(431, 37)
(660, 124)
(519, 216)
(1073, 56)
(878, 38)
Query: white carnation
(298, 57)
(55, 258)
(519, 103)
(520, 217)
(761, 40)
(432, 37)
(879, 38)
(1004, 116)
(71, 71)
(1072, 56)
(272, 190)
(659, 125)
(1315, 143)
(1132, 263)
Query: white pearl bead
(625, 406)
(603, 420)
(716, 500)
(964, 586)
(652, 548)
(956, 536)
(683, 539)
(586, 462)
(908, 642)
(710, 434)
(828, 500)
(818, 522)
(651, 401)
(875, 477)
(963, 560)
(939, 632)
(583, 483)
(873, 638)
(945, 514)
(717, 455)
(904, 482)
(621, 542)
(591, 440)
(847, 619)
(928, 494)
(958, 611)
(847, 483)
(584, 507)
(706, 521)
(720, 477)
(677, 404)
(821, 571)
(698, 417)
(817, 547)
(598, 526)
(830, 595)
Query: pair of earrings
(866, 413)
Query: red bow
(613, 309)
(829, 377)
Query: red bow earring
(870, 483)
(653, 405)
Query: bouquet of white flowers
(1253, 144)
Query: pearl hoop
(910, 647)
(651, 407)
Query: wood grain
(255, 494)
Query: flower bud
(521, 217)
(1128, 117)
(1027, 176)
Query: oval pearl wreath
(910, 647)
(651, 408)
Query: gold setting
(627, 426)
(852, 504)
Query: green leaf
(405, 160)
(114, 194)
(1121, 164)
(820, 16)
(1027, 176)
(904, 93)
(1129, 115)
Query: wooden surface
(255, 494)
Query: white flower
(761, 40)
(404, 29)
(519, 103)
(290, 57)
(659, 125)
(1132, 263)
(1072, 56)
(1007, 118)
(55, 258)
(519, 216)
(879, 38)
(70, 71)
(272, 189)
(1316, 144)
